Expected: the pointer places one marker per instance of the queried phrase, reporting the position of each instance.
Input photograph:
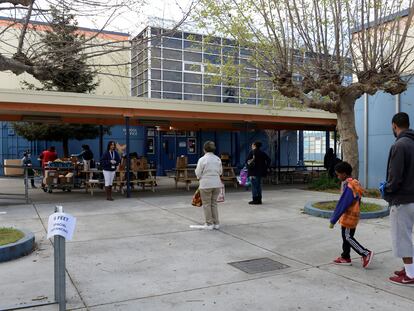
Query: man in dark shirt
(398, 190)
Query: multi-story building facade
(187, 66)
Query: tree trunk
(348, 134)
(65, 145)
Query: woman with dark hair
(257, 164)
(109, 161)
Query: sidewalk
(140, 254)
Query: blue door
(168, 152)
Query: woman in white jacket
(208, 171)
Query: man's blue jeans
(256, 187)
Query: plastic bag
(221, 195)
(196, 201)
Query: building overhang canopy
(58, 107)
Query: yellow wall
(113, 80)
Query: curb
(311, 210)
(22, 247)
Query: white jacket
(209, 170)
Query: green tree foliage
(63, 52)
(308, 50)
(58, 132)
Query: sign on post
(61, 224)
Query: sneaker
(342, 261)
(400, 272)
(203, 227)
(402, 280)
(217, 226)
(366, 260)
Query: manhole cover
(258, 265)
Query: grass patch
(365, 207)
(10, 235)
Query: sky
(129, 19)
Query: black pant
(349, 242)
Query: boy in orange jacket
(347, 211)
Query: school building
(174, 107)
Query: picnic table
(142, 177)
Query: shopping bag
(220, 197)
(243, 179)
(196, 201)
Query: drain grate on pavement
(258, 265)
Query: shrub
(324, 182)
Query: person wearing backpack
(257, 164)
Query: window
(155, 62)
(155, 94)
(192, 97)
(172, 43)
(212, 48)
(172, 65)
(172, 87)
(212, 90)
(193, 36)
(172, 96)
(172, 54)
(156, 74)
(216, 99)
(192, 46)
(156, 52)
(213, 59)
(155, 85)
(192, 88)
(192, 67)
(192, 77)
(192, 57)
(172, 75)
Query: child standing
(347, 211)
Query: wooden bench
(92, 184)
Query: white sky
(129, 19)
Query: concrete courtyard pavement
(140, 254)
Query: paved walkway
(140, 254)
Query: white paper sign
(61, 224)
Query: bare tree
(311, 49)
(22, 52)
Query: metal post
(278, 156)
(327, 141)
(100, 141)
(301, 151)
(128, 163)
(365, 140)
(26, 184)
(397, 103)
(60, 267)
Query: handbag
(196, 201)
(220, 197)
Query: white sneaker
(217, 226)
(204, 227)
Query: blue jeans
(256, 186)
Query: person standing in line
(27, 162)
(257, 163)
(398, 191)
(208, 171)
(347, 211)
(109, 162)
